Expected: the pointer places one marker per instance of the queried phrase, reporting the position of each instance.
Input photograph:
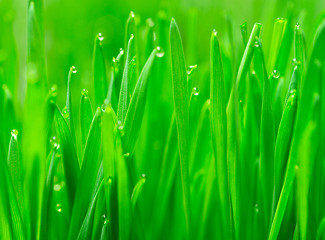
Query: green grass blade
(284, 136)
(218, 123)
(136, 107)
(99, 71)
(49, 116)
(128, 72)
(137, 191)
(85, 230)
(267, 144)
(300, 54)
(181, 96)
(48, 190)
(123, 194)
(87, 176)
(321, 230)
(15, 168)
(69, 155)
(86, 116)
(68, 110)
(16, 220)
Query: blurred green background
(71, 26)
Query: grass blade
(69, 155)
(86, 116)
(128, 72)
(87, 177)
(180, 90)
(218, 124)
(136, 107)
(99, 71)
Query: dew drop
(143, 175)
(58, 207)
(256, 208)
(57, 187)
(73, 69)
(191, 69)
(54, 142)
(120, 127)
(126, 155)
(65, 112)
(14, 133)
(121, 51)
(195, 91)
(276, 74)
(132, 15)
(100, 37)
(256, 44)
(84, 92)
(104, 219)
(160, 52)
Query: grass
(169, 137)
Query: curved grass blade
(68, 110)
(16, 221)
(88, 174)
(180, 90)
(128, 72)
(267, 144)
(136, 107)
(136, 192)
(218, 118)
(123, 184)
(86, 227)
(233, 131)
(284, 136)
(69, 155)
(15, 168)
(86, 116)
(99, 71)
(48, 190)
(49, 116)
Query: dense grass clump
(225, 145)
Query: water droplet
(58, 207)
(73, 69)
(256, 208)
(240, 101)
(54, 142)
(104, 106)
(121, 49)
(100, 37)
(109, 180)
(120, 127)
(195, 91)
(84, 92)
(256, 44)
(14, 133)
(132, 15)
(275, 74)
(214, 32)
(53, 91)
(65, 112)
(160, 52)
(104, 219)
(191, 69)
(143, 175)
(57, 187)
(126, 155)
(297, 26)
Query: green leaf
(180, 90)
(85, 230)
(218, 122)
(87, 177)
(69, 108)
(69, 155)
(48, 190)
(15, 168)
(123, 184)
(128, 72)
(136, 107)
(86, 116)
(99, 71)
(136, 192)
